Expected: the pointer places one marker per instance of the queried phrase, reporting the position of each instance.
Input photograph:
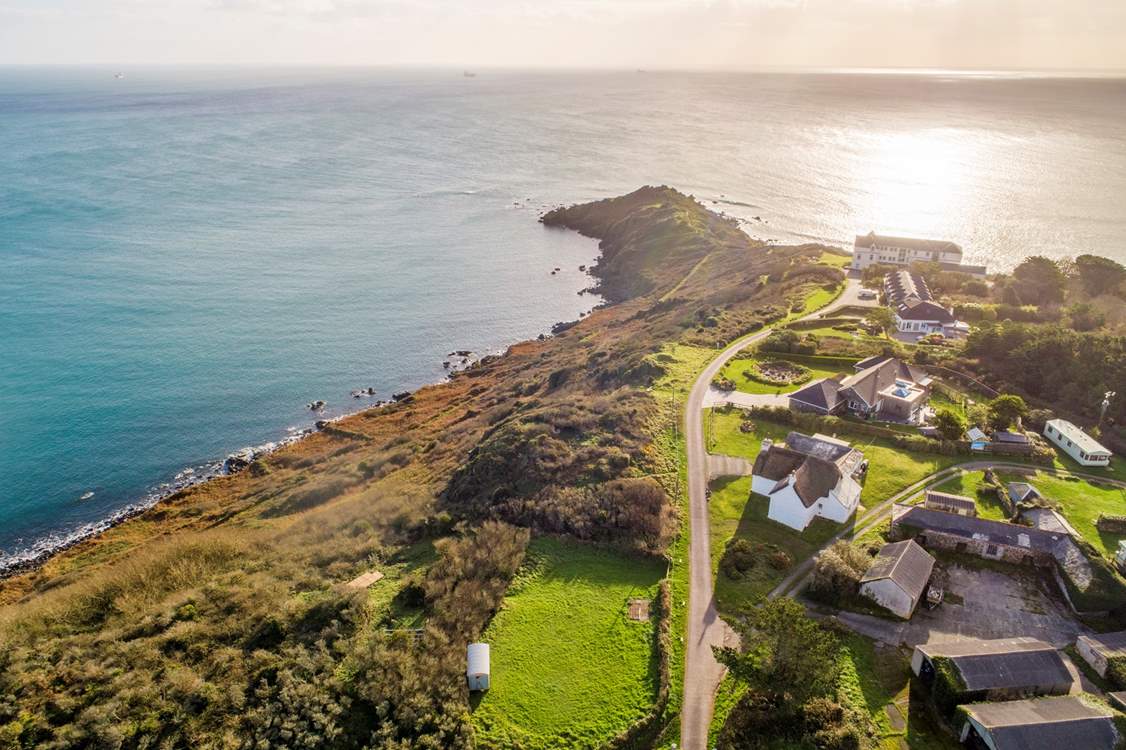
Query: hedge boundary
(643, 733)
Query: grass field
(967, 483)
(568, 668)
(735, 368)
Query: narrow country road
(702, 673)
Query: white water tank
(477, 669)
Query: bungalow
(1099, 650)
(1076, 443)
(1067, 721)
(882, 388)
(808, 477)
(898, 578)
(1001, 669)
(944, 501)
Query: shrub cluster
(740, 557)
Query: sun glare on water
(916, 182)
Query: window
(991, 550)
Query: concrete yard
(994, 604)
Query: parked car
(866, 294)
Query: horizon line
(505, 68)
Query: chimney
(766, 443)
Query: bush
(740, 556)
(837, 572)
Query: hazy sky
(988, 34)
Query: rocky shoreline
(29, 558)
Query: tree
(1085, 317)
(1100, 275)
(882, 317)
(1039, 280)
(785, 652)
(1005, 409)
(949, 423)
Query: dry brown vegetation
(217, 619)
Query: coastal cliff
(223, 616)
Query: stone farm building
(1100, 649)
(897, 579)
(882, 388)
(809, 476)
(995, 540)
(999, 669)
(1066, 722)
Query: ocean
(190, 256)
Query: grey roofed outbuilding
(1005, 663)
(821, 395)
(1108, 644)
(1064, 721)
(1003, 436)
(1020, 492)
(942, 500)
(905, 563)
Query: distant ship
(469, 74)
(119, 75)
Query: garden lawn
(733, 516)
(734, 370)
(967, 483)
(568, 668)
(1081, 503)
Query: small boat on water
(119, 76)
(469, 74)
(87, 495)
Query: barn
(1000, 669)
(897, 579)
(1066, 721)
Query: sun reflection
(917, 183)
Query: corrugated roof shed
(1004, 663)
(1046, 724)
(905, 563)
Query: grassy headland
(220, 619)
